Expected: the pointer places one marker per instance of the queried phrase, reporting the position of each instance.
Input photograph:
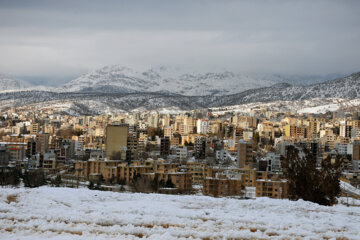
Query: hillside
(337, 92)
(347, 88)
(127, 80)
(9, 83)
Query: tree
(10, 177)
(57, 180)
(99, 181)
(161, 183)
(35, 178)
(116, 155)
(307, 181)
(155, 184)
(65, 133)
(122, 181)
(227, 162)
(169, 183)
(153, 132)
(141, 184)
(98, 186)
(78, 132)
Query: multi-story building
(345, 130)
(245, 154)
(116, 138)
(49, 161)
(202, 126)
(181, 153)
(200, 147)
(271, 188)
(197, 171)
(221, 185)
(164, 146)
(42, 143)
(34, 128)
(132, 146)
(31, 148)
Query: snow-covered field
(63, 213)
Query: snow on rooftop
(65, 213)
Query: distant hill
(11, 83)
(127, 80)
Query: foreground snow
(63, 213)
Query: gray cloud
(62, 39)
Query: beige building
(271, 188)
(116, 138)
(34, 128)
(222, 186)
(197, 171)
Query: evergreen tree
(307, 181)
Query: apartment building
(271, 188)
(245, 154)
(221, 185)
(197, 170)
(202, 126)
(116, 138)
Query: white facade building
(202, 126)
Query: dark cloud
(62, 39)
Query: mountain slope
(347, 87)
(127, 80)
(343, 88)
(10, 83)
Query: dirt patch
(139, 235)
(272, 234)
(12, 198)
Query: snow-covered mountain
(347, 87)
(282, 93)
(126, 80)
(9, 83)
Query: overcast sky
(55, 41)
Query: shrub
(34, 178)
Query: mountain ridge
(8, 83)
(117, 78)
(343, 88)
